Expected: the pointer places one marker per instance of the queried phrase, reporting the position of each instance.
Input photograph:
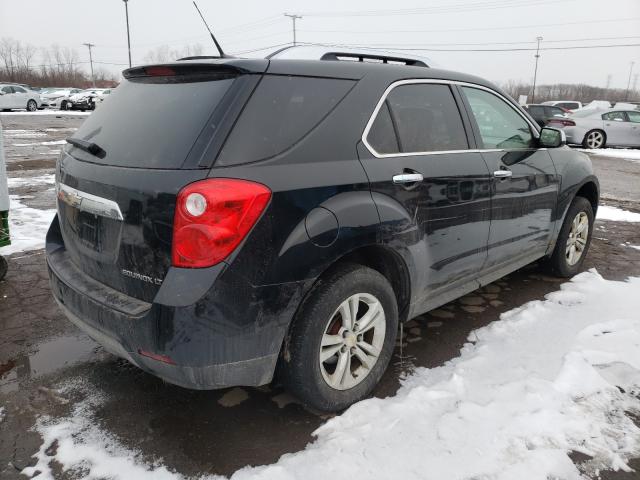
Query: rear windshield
(151, 125)
(281, 112)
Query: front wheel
(32, 106)
(594, 139)
(341, 340)
(574, 239)
(64, 105)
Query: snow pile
(27, 227)
(606, 212)
(550, 377)
(624, 153)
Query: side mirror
(552, 138)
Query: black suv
(221, 220)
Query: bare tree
(164, 53)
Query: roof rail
(371, 57)
(346, 53)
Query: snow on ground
(47, 179)
(625, 153)
(548, 378)
(33, 144)
(606, 212)
(27, 226)
(45, 112)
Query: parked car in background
(298, 211)
(566, 104)
(86, 99)
(15, 97)
(58, 97)
(597, 105)
(546, 114)
(599, 128)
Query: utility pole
(293, 18)
(535, 72)
(609, 77)
(626, 96)
(126, 11)
(89, 45)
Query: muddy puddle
(47, 357)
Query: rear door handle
(408, 178)
(502, 173)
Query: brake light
(160, 71)
(564, 122)
(212, 217)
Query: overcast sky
(437, 25)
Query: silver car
(14, 96)
(597, 128)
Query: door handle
(502, 173)
(408, 178)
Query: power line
(416, 48)
(566, 40)
(480, 29)
(451, 8)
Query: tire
(3, 267)
(301, 369)
(32, 106)
(561, 264)
(64, 105)
(594, 139)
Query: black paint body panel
(331, 197)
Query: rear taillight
(212, 217)
(564, 122)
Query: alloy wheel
(577, 241)
(595, 139)
(31, 106)
(352, 341)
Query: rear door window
(536, 111)
(424, 118)
(151, 124)
(282, 111)
(615, 116)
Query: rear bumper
(229, 336)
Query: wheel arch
(589, 190)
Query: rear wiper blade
(90, 147)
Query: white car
(58, 97)
(14, 97)
(87, 99)
(571, 105)
(596, 128)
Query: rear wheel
(32, 106)
(64, 105)
(594, 139)
(341, 340)
(574, 239)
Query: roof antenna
(222, 54)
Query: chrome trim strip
(87, 202)
(439, 152)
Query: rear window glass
(151, 125)
(279, 114)
(426, 119)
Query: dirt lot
(219, 431)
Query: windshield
(151, 125)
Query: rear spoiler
(201, 69)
